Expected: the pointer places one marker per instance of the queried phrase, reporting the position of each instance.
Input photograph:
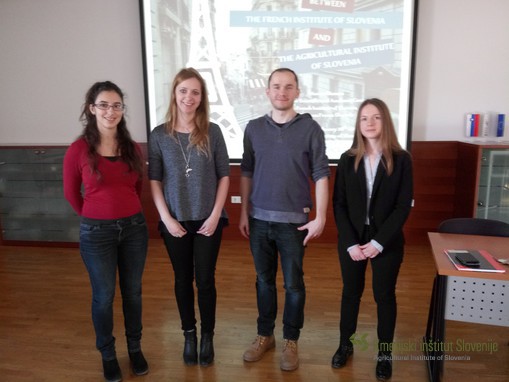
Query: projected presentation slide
(342, 51)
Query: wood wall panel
(434, 192)
(467, 177)
(434, 187)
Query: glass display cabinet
(482, 180)
(493, 188)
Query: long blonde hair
(388, 139)
(200, 135)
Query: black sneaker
(111, 370)
(138, 363)
(341, 356)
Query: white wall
(51, 51)
(462, 65)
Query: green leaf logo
(360, 341)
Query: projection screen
(342, 51)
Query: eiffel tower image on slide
(203, 57)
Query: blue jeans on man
(105, 246)
(267, 239)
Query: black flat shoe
(341, 356)
(111, 370)
(139, 363)
(384, 367)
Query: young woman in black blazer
(372, 198)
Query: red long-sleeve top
(113, 195)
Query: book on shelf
(500, 125)
(469, 125)
(485, 125)
(477, 120)
(485, 261)
(472, 125)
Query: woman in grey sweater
(189, 179)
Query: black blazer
(391, 201)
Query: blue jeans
(194, 255)
(266, 240)
(106, 245)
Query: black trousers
(385, 268)
(194, 256)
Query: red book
(477, 122)
(487, 262)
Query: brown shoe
(290, 356)
(258, 348)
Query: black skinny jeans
(194, 255)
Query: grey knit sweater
(188, 197)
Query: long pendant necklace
(188, 169)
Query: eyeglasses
(107, 106)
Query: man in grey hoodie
(283, 150)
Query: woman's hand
(174, 227)
(357, 254)
(369, 250)
(209, 226)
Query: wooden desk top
(497, 246)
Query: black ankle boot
(342, 354)
(138, 363)
(111, 370)
(206, 349)
(384, 366)
(190, 348)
